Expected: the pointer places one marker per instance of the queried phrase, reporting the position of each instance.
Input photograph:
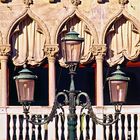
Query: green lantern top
(118, 75)
(72, 36)
(25, 74)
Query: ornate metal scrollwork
(37, 119)
(73, 99)
(106, 120)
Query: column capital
(99, 57)
(5, 49)
(98, 50)
(51, 59)
(51, 50)
(3, 58)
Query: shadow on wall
(102, 1)
(5, 1)
(54, 1)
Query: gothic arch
(84, 27)
(34, 17)
(122, 38)
(124, 13)
(28, 36)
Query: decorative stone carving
(28, 2)
(51, 50)
(123, 2)
(76, 2)
(98, 50)
(4, 50)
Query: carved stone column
(4, 52)
(99, 80)
(50, 51)
(98, 51)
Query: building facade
(31, 32)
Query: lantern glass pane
(25, 90)
(118, 91)
(71, 51)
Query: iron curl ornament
(72, 98)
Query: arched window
(27, 41)
(122, 40)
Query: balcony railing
(128, 127)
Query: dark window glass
(41, 87)
(13, 100)
(133, 94)
(106, 73)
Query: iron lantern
(71, 47)
(118, 84)
(25, 84)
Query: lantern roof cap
(72, 36)
(25, 74)
(118, 75)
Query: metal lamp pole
(71, 51)
(72, 117)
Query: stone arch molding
(84, 27)
(122, 38)
(28, 37)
